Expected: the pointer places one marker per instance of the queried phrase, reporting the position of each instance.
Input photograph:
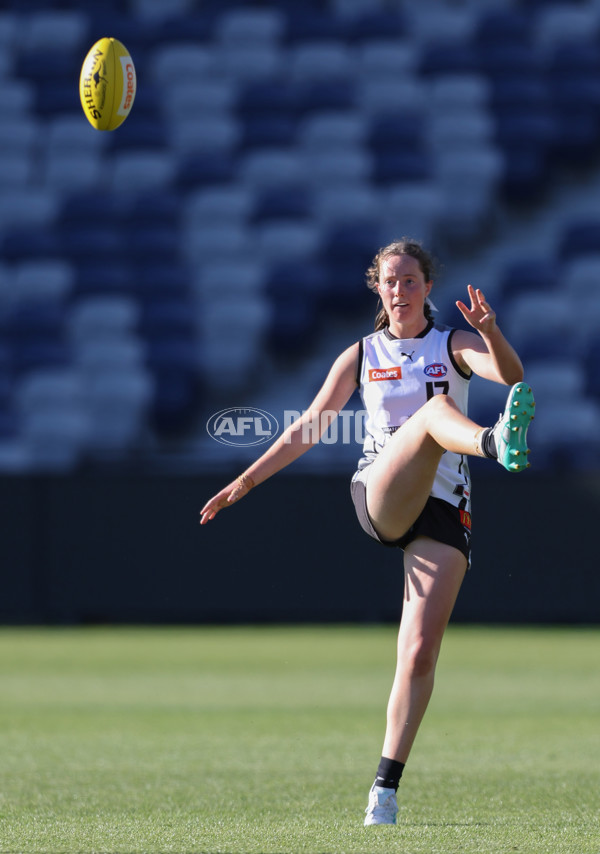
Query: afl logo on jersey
(436, 370)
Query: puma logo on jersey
(379, 374)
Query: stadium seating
(272, 148)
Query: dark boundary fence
(128, 549)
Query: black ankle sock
(389, 773)
(488, 443)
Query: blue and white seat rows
(272, 148)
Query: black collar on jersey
(421, 334)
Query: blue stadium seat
(102, 316)
(327, 60)
(227, 203)
(295, 240)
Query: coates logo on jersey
(378, 374)
(242, 426)
(436, 370)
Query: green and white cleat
(510, 431)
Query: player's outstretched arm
(299, 437)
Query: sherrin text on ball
(107, 84)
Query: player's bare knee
(421, 658)
(438, 405)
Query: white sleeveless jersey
(396, 377)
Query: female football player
(412, 488)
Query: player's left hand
(480, 316)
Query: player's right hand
(225, 498)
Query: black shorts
(439, 520)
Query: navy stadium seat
(93, 241)
(579, 238)
(27, 244)
(110, 277)
(306, 23)
(177, 398)
(159, 280)
(505, 27)
(205, 169)
(192, 27)
(376, 24)
(36, 67)
(159, 208)
(307, 280)
(94, 207)
(293, 324)
(151, 241)
(567, 60)
(173, 361)
(449, 58)
(37, 337)
(520, 91)
(397, 133)
(273, 97)
(528, 274)
(268, 129)
(592, 371)
(140, 131)
(167, 316)
(326, 94)
(391, 167)
(498, 60)
(282, 203)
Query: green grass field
(267, 740)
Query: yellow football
(107, 84)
